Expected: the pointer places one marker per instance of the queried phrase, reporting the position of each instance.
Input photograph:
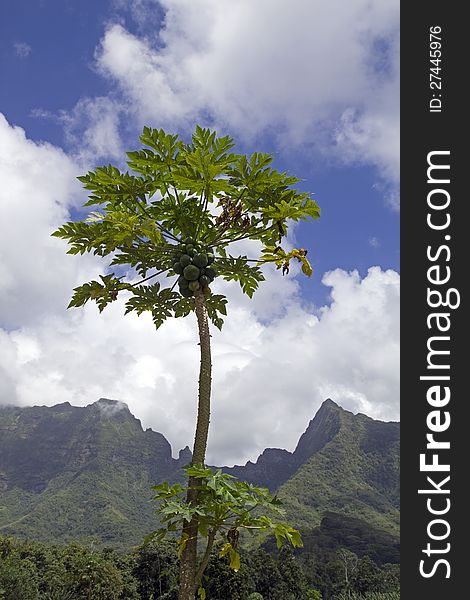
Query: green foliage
(35, 571)
(281, 259)
(52, 495)
(198, 194)
(339, 531)
(291, 573)
(224, 508)
(238, 269)
(18, 579)
(343, 572)
(156, 570)
(89, 575)
(102, 293)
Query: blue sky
(316, 85)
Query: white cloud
(274, 363)
(22, 49)
(318, 74)
(38, 188)
(269, 379)
(92, 130)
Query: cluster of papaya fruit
(193, 263)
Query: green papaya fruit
(177, 268)
(194, 285)
(200, 260)
(185, 260)
(186, 292)
(211, 272)
(191, 273)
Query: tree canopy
(201, 193)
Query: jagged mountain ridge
(274, 466)
(86, 473)
(356, 472)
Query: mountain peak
(110, 408)
(328, 404)
(321, 429)
(185, 455)
(109, 402)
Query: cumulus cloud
(269, 378)
(275, 361)
(319, 74)
(38, 189)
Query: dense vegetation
(338, 531)
(36, 571)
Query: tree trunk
(188, 563)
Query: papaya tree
(171, 220)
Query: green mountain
(69, 473)
(348, 464)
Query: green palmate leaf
(143, 259)
(102, 293)
(183, 306)
(160, 302)
(238, 269)
(168, 491)
(83, 237)
(216, 306)
(284, 532)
